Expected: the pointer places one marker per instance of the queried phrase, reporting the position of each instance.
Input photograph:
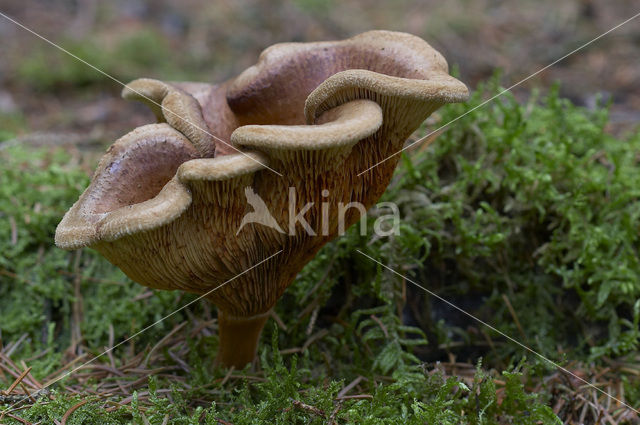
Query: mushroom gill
(167, 201)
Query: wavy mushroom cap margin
(167, 199)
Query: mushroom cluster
(167, 201)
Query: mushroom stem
(238, 338)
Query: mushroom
(167, 202)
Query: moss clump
(535, 203)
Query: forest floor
(49, 99)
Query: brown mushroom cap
(168, 212)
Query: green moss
(536, 202)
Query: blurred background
(48, 97)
